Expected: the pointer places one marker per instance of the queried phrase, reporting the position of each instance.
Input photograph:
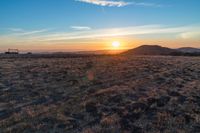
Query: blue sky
(79, 24)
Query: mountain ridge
(189, 50)
(160, 50)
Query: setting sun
(116, 44)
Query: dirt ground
(108, 94)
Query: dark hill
(150, 50)
(189, 50)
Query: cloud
(32, 32)
(190, 35)
(80, 28)
(35, 37)
(114, 32)
(146, 4)
(112, 3)
(20, 35)
(109, 3)
(21, 32)
(16, 29)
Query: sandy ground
(110, 94)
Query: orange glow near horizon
(114, 43)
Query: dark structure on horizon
(12, 51)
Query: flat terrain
(108, 94)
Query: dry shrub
(112, 90)
(35, 110)
(88, 130)
(100, 129)
(108, 124)
(112, 120)
(180, 120)
(162, 119)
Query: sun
(115, 44)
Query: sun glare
(115, 44)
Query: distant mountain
(189, 50)
(150, 50)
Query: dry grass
(108, 94)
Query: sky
(79, 25)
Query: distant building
(12, 51)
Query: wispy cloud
(16, 29)
(31, 32)
(146, 4)
(114, 32)
(106, 2)
(80, 36)
(80, 28)
(18, 35)
(22, 32)
(190, 35)
(112, 3)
